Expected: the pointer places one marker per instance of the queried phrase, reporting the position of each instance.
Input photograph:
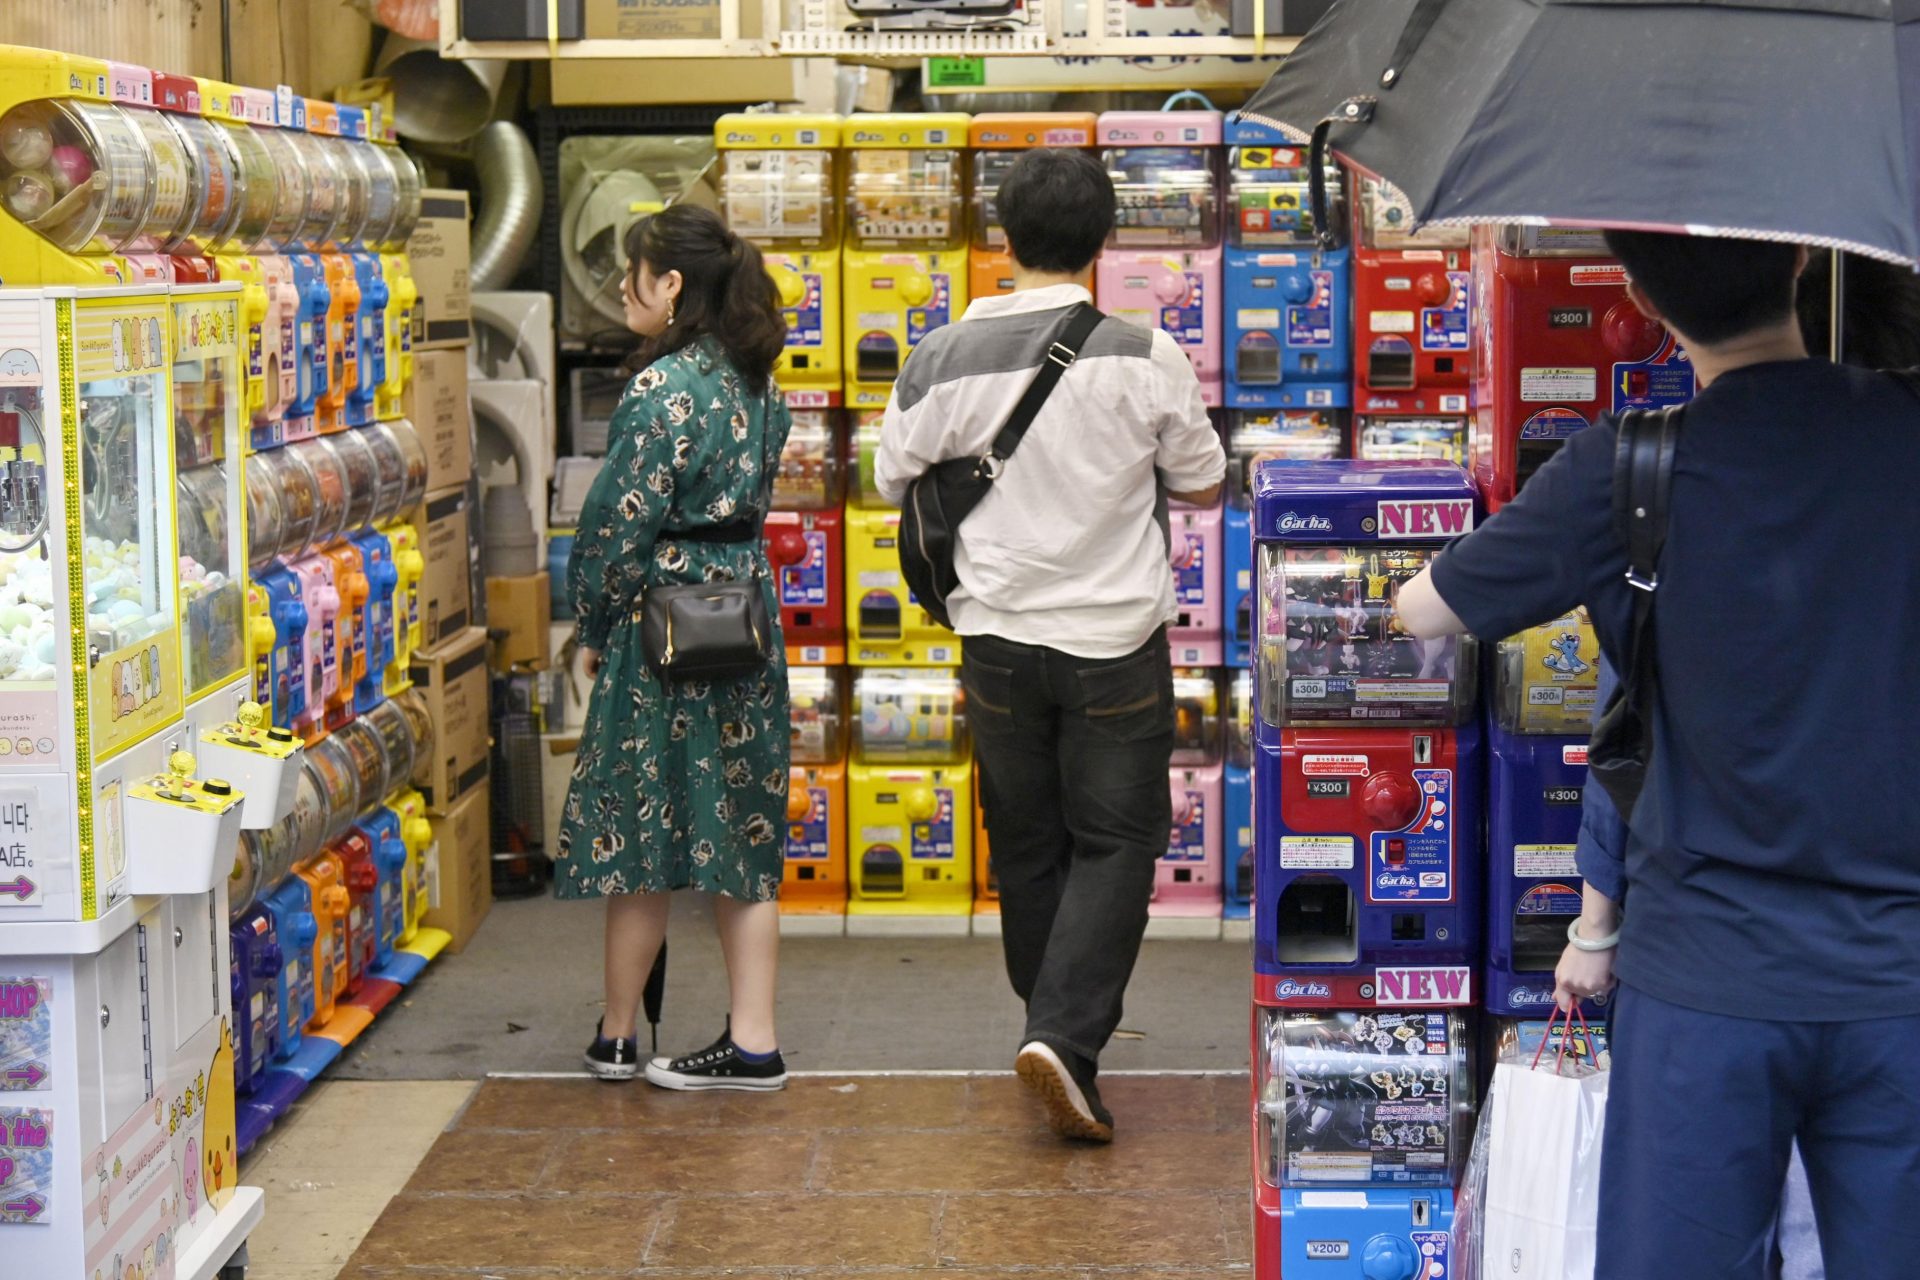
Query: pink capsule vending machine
(1161, 268)
(1196, 549)
(1189, 879)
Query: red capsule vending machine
(1367, 875)
(1411, 341)
(1557, 344)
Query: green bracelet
(1607, 943)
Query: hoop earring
(669, 313)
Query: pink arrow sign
(19, 888)
(31, 1073)
(30, 1208)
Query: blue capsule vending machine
(1253, 437)
(1544, 686)
(1238, 786)
(1367, 902)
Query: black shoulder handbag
(1621, 748)
(946, 494)
(711, 630)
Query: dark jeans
(1073, 761)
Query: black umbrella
(1769, 119)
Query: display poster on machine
(1445, 328)
(922, 321)
(804, 585)
(1346, 655)
(1664, 378)
(1415, 864)
(1188, 839)
(807, 839)
(805, 328)
(26, 1035)
(1310, 324)
(1190, 572)
(1369, 1096)
(1187, 322)
(1557, 677)
(30, 822)
(134, 1191)
(26, 1167)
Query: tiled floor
(332, 1164)
(874, 1178)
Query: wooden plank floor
(876, 1177)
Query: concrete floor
(524, 996)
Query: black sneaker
(718, 1067)
(1065, 1086)
(613, 1059)
(726, 1038)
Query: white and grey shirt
(1068, 549)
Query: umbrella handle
(1189, 95)
(1352, 111)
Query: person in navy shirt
(1768, 956)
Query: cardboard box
(557, 754)
(591, 82)
(519, 616)
(465, 840)
(436, 403)
(455, 682)
(653, 20)
(441, 259)
(444, 527)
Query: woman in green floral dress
(682, 784)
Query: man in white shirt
(1064, 597)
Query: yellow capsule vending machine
(813, 894)
(231, 734)
(779, 187)
(886, 627)
(906, 255)
(910, 805)
(114, 857)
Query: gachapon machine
(322, 277)
(885, 624)
(1367, 751)
(416, 832)
(1558, 343)
(383, 827)
(1545, 685)
(1161, 268)
(255, 960)
(230, 734)
(905, 262)
(78, 185)
(780, 188)
(403, 294)
(998, 140)
(1362, 1120)
(1238, 787)
(314, 570)
(1412, 351)
(1254, 437)
(813, 894)
(1195, 546)
(806, 550)
(283, 503)
(216, 198)
(1289, 300)
(1187, 880)
(392, 520)
(326, 152)
(910, 805)
(296, 291)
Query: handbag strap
(1081, 323)
(1642, 491)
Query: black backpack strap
(1060, 357)
(1642, 489)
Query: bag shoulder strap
(1643, 489)
(1060, 357)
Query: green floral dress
(678, 784)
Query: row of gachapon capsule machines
(326, 907)
(885, 833)
(881, 228)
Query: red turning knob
(1390, 800)
(1628, 334)
(788, 546)
(1433, 289)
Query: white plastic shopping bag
(1543, 1171)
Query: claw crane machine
(1161, 268)
(998, 139)
(905, 263)
(114, 848)
(1412, 295)
(910, 805)
(779, 187)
